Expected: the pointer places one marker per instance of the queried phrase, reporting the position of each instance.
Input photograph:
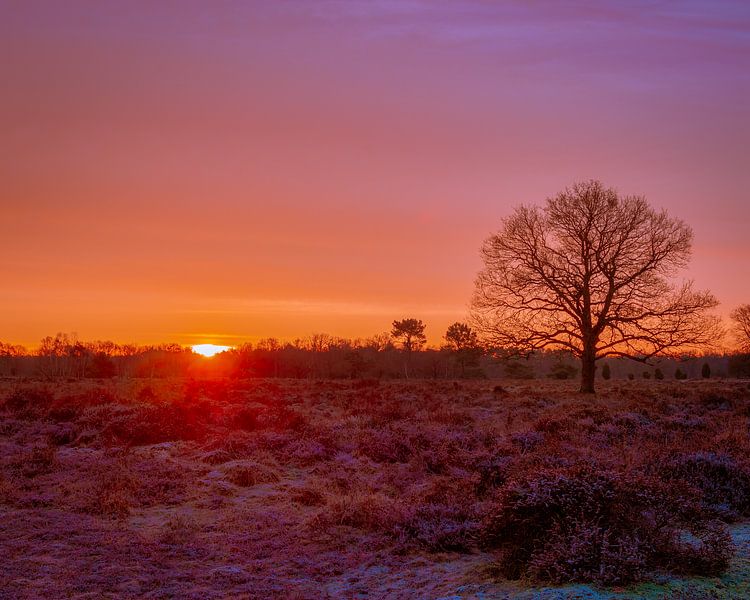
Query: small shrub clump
(588, 524)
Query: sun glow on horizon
(209, 350)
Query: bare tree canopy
(741, 318)
(592, 273)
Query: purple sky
(208, 171)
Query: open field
(368, 489)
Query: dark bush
(586, 524)
(724, 485)
(739, 365)
(29, 403)
(385, 446)
(562, 371)
(146, 424)
(439, 527)
(517, 370)
(246, 418)
(493, 473)
(527, 441)
(715, 401)
(63, 434)
(706, 551)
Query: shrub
(493, 473)
(562, 371)
(739, 365)
(517, 370)
(724, 485)
(307, 496)
(527, 441)
(499, 392)
(658, 374)
(585, 524)
(606, 372)
(246, 418)
(715, 400)
(29, 403)
(250, 474)
(706, 371)
(40, 461)
(385, 445)
(63, 434)
(680, 374)
(438, 527)
(707, 550)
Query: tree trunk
(588, 371)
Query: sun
(209, 350)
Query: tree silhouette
(741, 318)
(460, 336)
(591, 273)
(410, 333)
(463, 341)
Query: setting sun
(209, 350)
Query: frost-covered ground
(126, 489)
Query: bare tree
(10, 354)
(741, 318)
(410, 332)
(591, 273)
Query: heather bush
(587, 524)
(63, 434)
(113, 490)
(40, 460)
(438, 527)
(527, 441)
(308, 496)
(559, 487)
(251, 473)
(715, 400)
(245, 418)
(29, 403)
(385, 445)
(723, 483)
(493, 473)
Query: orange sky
(218, 172)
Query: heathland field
(368, 489)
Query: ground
(328, 489)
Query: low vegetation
(316, 488)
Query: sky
(224, 171)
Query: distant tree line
(401, 353)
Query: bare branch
(591, 273)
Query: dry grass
(283, 488)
